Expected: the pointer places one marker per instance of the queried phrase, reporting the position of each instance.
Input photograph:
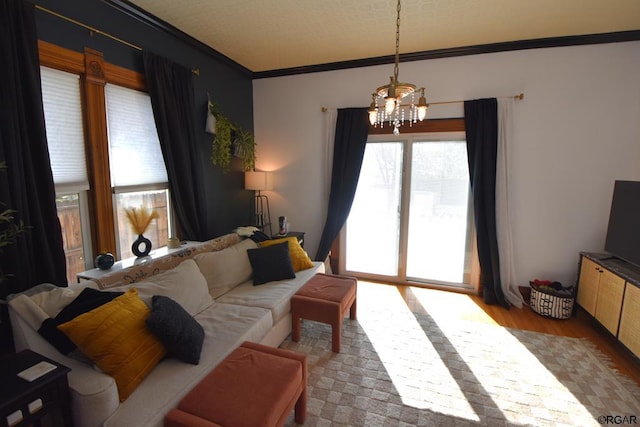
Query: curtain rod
(518, 97)
(92, 30)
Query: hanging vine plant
(245, 148)
(231, 138)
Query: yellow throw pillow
(115, 337)
(299, 257)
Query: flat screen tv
(623, 232)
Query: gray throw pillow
(180, 333)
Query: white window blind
(65, 135)
(134, 149)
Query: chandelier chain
(397, 59)
(387, 101)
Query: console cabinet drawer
(629, 333)
(609, 303)
(588, 285)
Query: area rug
(398, 368)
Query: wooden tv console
(609, 290)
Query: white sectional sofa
(212, 282)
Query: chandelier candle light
(387, 100)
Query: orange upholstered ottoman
(254, 386)
(324, 298)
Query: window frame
(94, 74)
(77, 187)
(116, 191)
(85, 226)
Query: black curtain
(27, 185)
(481, 123)
(352, 130)
(171, 91)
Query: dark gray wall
(229, 84)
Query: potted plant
(231, 138)
(245, 148)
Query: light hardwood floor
(472, 308)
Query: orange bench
(255, 385)
(324, 298)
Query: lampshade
(258, 180)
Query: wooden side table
(44, 401)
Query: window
(411, 219)
(158, 231)
(65, 135)
(123, 165)
(138, 173)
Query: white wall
(576, 131)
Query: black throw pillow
(86, 301)
(54, 336)
(180, 333)
(271, 263)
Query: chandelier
(395, 101)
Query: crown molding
(154, 22)
(615, 37)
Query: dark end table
(43, 401)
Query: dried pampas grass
(140, 218)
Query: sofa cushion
(271, 263)
(226, 326)
(275, 297)
(176, 329)
(299, 258)
(226, 269)
(184, 284)
(115, 337)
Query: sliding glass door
(411, 218)
(438, 211)
(373, 227)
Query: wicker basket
(553, 306)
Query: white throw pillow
(226, 269)
(183, 283)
